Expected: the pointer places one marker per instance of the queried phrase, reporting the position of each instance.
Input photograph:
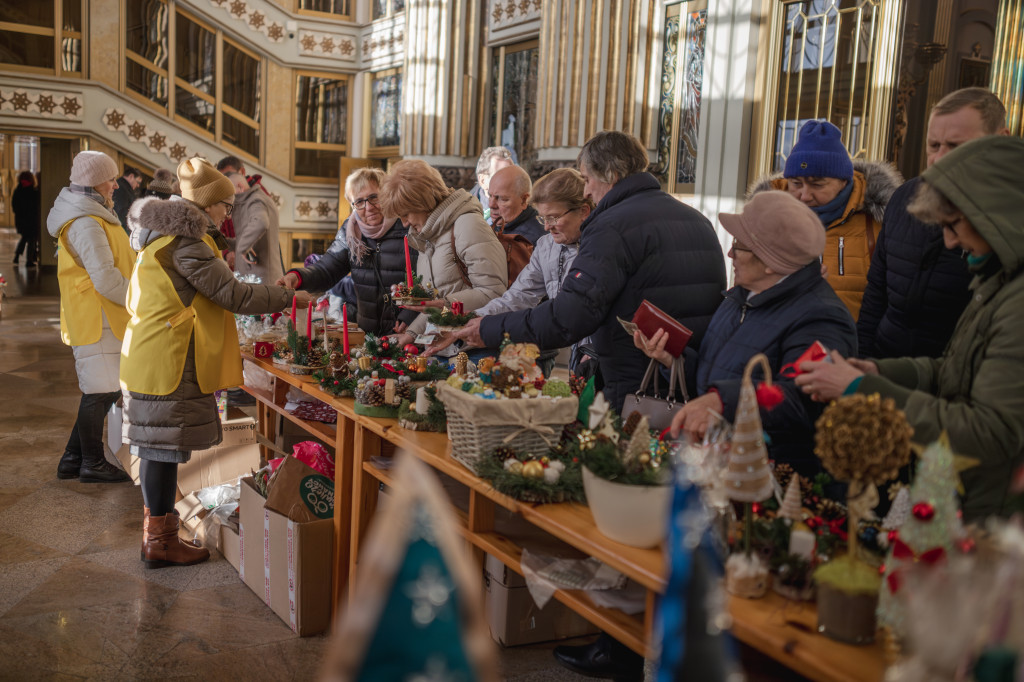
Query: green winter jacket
(975, 391)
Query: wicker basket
(477, 426)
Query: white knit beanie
(92, 168)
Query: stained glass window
(386, 118)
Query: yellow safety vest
(156, 343)
(80, 304)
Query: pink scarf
(357, 229)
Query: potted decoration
(413, 292)
(338, 377)
(426, 413)
(531, 477)
(449, 319)
(792, 568)
(865, 440)
(925, 537)
(626, 478)
(748, 479)
(306, 358)
(376, 397)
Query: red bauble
(384, 344)
(967, 545)
(769, 397)
(411, 349)
(923, 511)
(892, 536)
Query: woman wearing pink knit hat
(779, 306)
(94, 262)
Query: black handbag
(648, 401)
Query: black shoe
(237, 397)
(16, 257)
(102, 472)
(605, 658)
(30, 265)
(69, 465)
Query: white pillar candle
(422, 402)
(801, 543)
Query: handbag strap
(677, 377)
(459, 264)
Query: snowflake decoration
(497, 13)
(429, 594)
(256, 20)
(524, 6)
(275, 32)
(347, 48)
(536, 5)
(177, 151)
(308, 42)
(327, 45)
(219, 3)
(157, 141)
(70, 106)
(115, 119)
(304, 209)
(238, 8)
(510, 8)
(323, 209)
(137, 130)
(20, 101)
(46, 104)
(276, 198)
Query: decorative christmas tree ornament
(899, 511)
(417, 613)
(926, 538)
(791, 508)
(863, 440)
(748, 479)
(461, 364)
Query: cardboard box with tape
(286, 563)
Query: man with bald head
(509, 192)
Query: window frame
(324, 146)
(174, 82)
(351, 16)
(388, 151)
(58, 35)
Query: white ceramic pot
(635, 515)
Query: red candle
(295, 300)
(309, 324)
(344, 328)
(408, 263)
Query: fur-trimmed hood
(880, 180)
(152, 218)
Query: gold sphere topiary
(863, 437)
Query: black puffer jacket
(386, 255)
(916, 289)
(639, 243)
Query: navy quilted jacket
(639, 243)
(917, 288)
(781, 322)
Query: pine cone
(404, 392)
(630, 426)
(374, 396)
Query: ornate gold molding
(1008, 63)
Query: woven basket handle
(759, 359)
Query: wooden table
(781, 629)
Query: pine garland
(603, 460)
(569, 487)
(302, 354)
(376, 347)
(446, 318)
(341, 386)
(436, 419)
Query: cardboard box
(229, 545)
(285, 563)
(514, 618)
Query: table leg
(343, 489)
(481, 519)
(366, 444)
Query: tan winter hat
(202, 183)
(784, 234)
(92, 168)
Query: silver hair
(483, 164)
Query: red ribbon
(901, 550)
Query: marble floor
(75, 602)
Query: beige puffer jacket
(476, 246)
(186, 419)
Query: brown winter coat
(850, 239)
(186, 419)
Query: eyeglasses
(736, 246)
(360, 204)
(951, 225)
(553, 219)
(228, 208)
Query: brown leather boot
(145, 532)
(161, 545)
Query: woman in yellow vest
(94, 262)
(181, 344)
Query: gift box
(263, 349)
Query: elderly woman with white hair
(371, 247)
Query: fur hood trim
(152, 218)
(881, 180)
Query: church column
(1008, 63)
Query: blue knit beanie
(819, 153)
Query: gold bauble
(533, 469)
(516, 467)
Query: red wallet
(650, 318)
(816, 352)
